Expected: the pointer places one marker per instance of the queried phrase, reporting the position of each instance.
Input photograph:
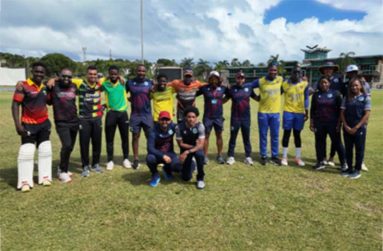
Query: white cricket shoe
(110, 165)
(65, 177)
(230, 161)
(249, 161)
(126, 163)
(299, 162)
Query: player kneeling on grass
(295, 113)
(190, 135)
(355, 110)
(161, 150)
(34, 129)
(62, 95)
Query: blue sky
(211, 29)
(298, 10)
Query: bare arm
(16, 118)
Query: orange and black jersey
(33, 99)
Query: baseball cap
(214, 74)
(240, 74)
(164, 115)
(351, 68)
(188, 72)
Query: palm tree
(187, 63)
(221, 65)
(202, 68)
(346, 59)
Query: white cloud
(213, 30)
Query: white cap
(351, 68)
(214, 73)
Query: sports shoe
(96, 168)
(319, 166)
(299, 162)
(220, 160)
(59, 171)
(364, 167)
(85, 171)
(263, 160)
(206, 160)
(325, 162)
(155, 180)
(136, 164)
(345, 173)
(330, 163)
(25, 188)
(126, 163)
(275, 161)
(230, 161)
(201, 184)
(284, 162)
(344, 167)
(355, 175)
(64, 177)
(249, 161)
(110, 165)
(46, 183)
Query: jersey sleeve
(178, 133)
(151, 145)
(18, 95)
(367, 104)
(77, 82)
(201, 131)
(255, 83)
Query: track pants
(321, 131)
(235, 125)
(113, 120)
(266, 121)
(67, 133)
(358, 140)
(90, 131)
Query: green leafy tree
(55, 62)
(187, 63)
(346, 59)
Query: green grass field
(241, 208)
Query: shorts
(293, 120)
(217, 123)
(37, 133)
(138, 121)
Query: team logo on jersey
(146, 83)
(184, 131)
(246, 89)
(335, 80)
(170, 131)
(235, 90)
(219, 88)
(329, 95)
(195, 131)
(361, 98)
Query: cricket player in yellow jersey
(295, 113)
(162, 97)
(270, 89)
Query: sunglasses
(66, 76)
(164, 119)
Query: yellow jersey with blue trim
(294, 96)
(270, 93)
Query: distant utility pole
(110, 54)
(142, 30)
(84, 54)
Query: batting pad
(25, 165)
(45, 161)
